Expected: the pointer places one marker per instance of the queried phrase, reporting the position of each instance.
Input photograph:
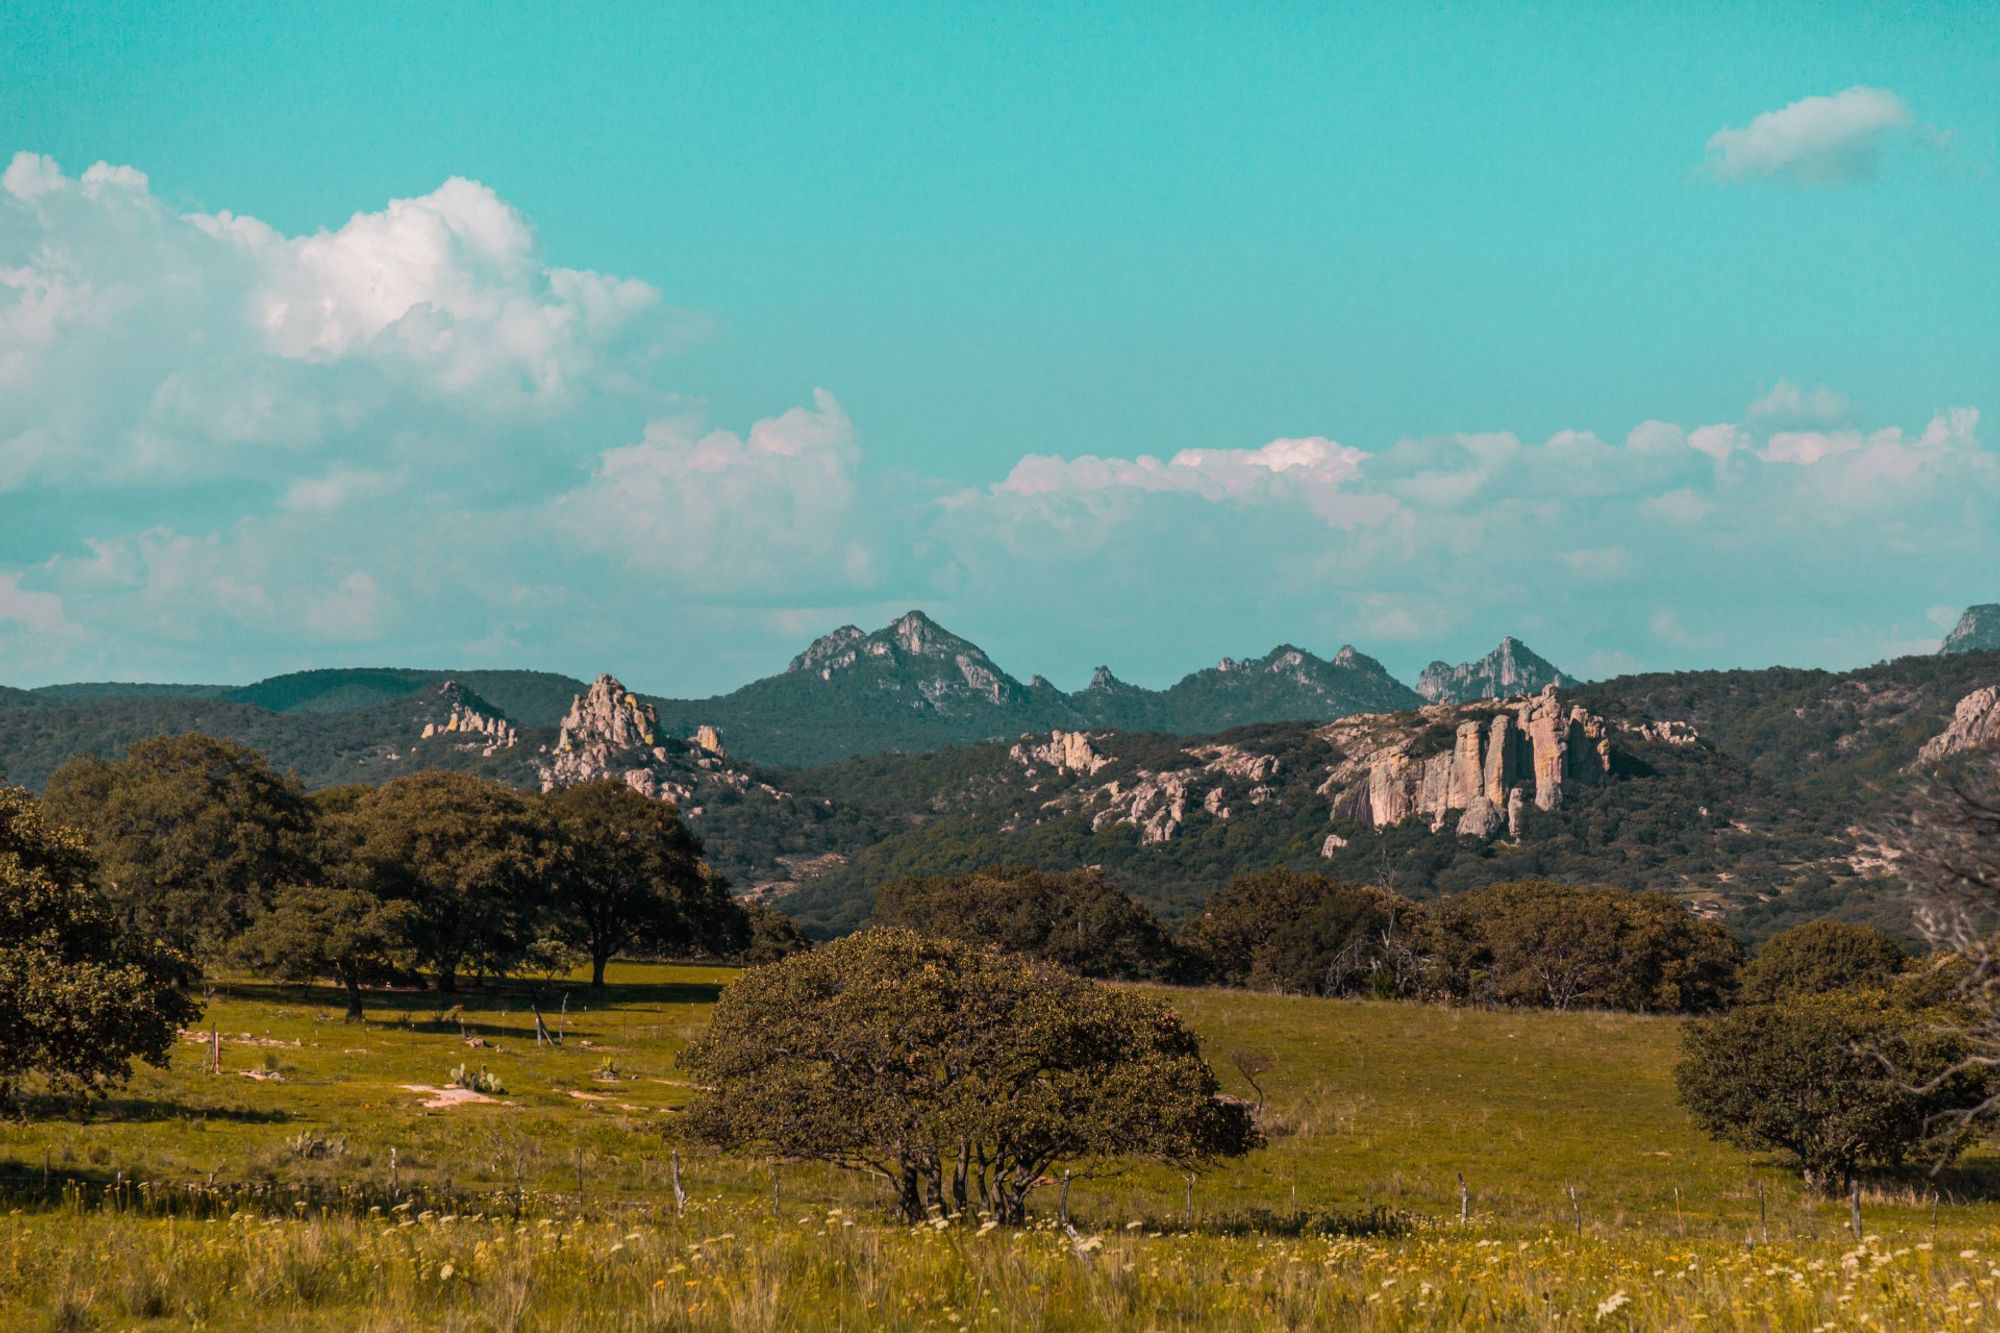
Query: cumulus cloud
(141, 346)
(1830, 140)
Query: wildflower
(445, 1271)
(1612, 1304)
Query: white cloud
(353, 610)
(1788, 402)
(1818, 140)
(37, 612)
(139, 346)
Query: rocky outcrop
(1975, 725)
(609, 732)
(1509, 670)
(1064, 751)
(913, 654)
(470, 722)
(1978, 630)
(1502, 755)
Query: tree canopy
(81, 996)
(627, 872)
(1839, 1081)
(1313, 935)
(1820, 956)
(470, 857)
(958, 1075)
(1076, 918)
(193, 834)
(1573, 946)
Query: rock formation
(610, 732)
(1975, 724)
(1509, 670)
(1978, 630)
(471, 721)
(1502, 755)
(1064, 751)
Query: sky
(661, 339)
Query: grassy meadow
(320, 1181)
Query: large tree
(627, 873)
(1820, 956)
(81, 996)
(1314, 935)
(1569, 946)
(193, 834)
(1076, 918)
(958, 1075)
(345, 934)
(1839, 1081)
(469, 857)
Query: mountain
(914, 685)
(1978, 630)
(1511, 669)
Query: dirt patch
(444, 1098)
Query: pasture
(325, 1177)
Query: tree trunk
(597, 962)
(353, 999)
(447, 978)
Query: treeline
(1534, 944)
(203, 847)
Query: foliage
(193, 834)
(1840, 1081)
(628, 873)
(773, 935)
(1569, 946)
(321, 930)
(959, 1076)
(1314, 935)
(1076, 919)
(81, 997)
(469, 857)
(1820, 956)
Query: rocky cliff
(1501, 757)
(1978, 630)
(1975, 725)
(1511, 669)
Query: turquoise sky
(1074, 232)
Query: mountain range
(1753, 794)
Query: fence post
(1763, 1225)
(1577, 1209)
(680, 1195)
(1464, 1201)
(1854, 1206)
(579, 1175)
(393, 1187)
(1062, 1200)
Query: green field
(306, 1185)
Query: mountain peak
(1511, 669)
(1978, 630)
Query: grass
(340, 1200)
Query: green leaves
(959, 1075)
(80, 997)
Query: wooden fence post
(1576, 1208)
(680, 1195)
(1854, 1207)
(1464, 1201)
